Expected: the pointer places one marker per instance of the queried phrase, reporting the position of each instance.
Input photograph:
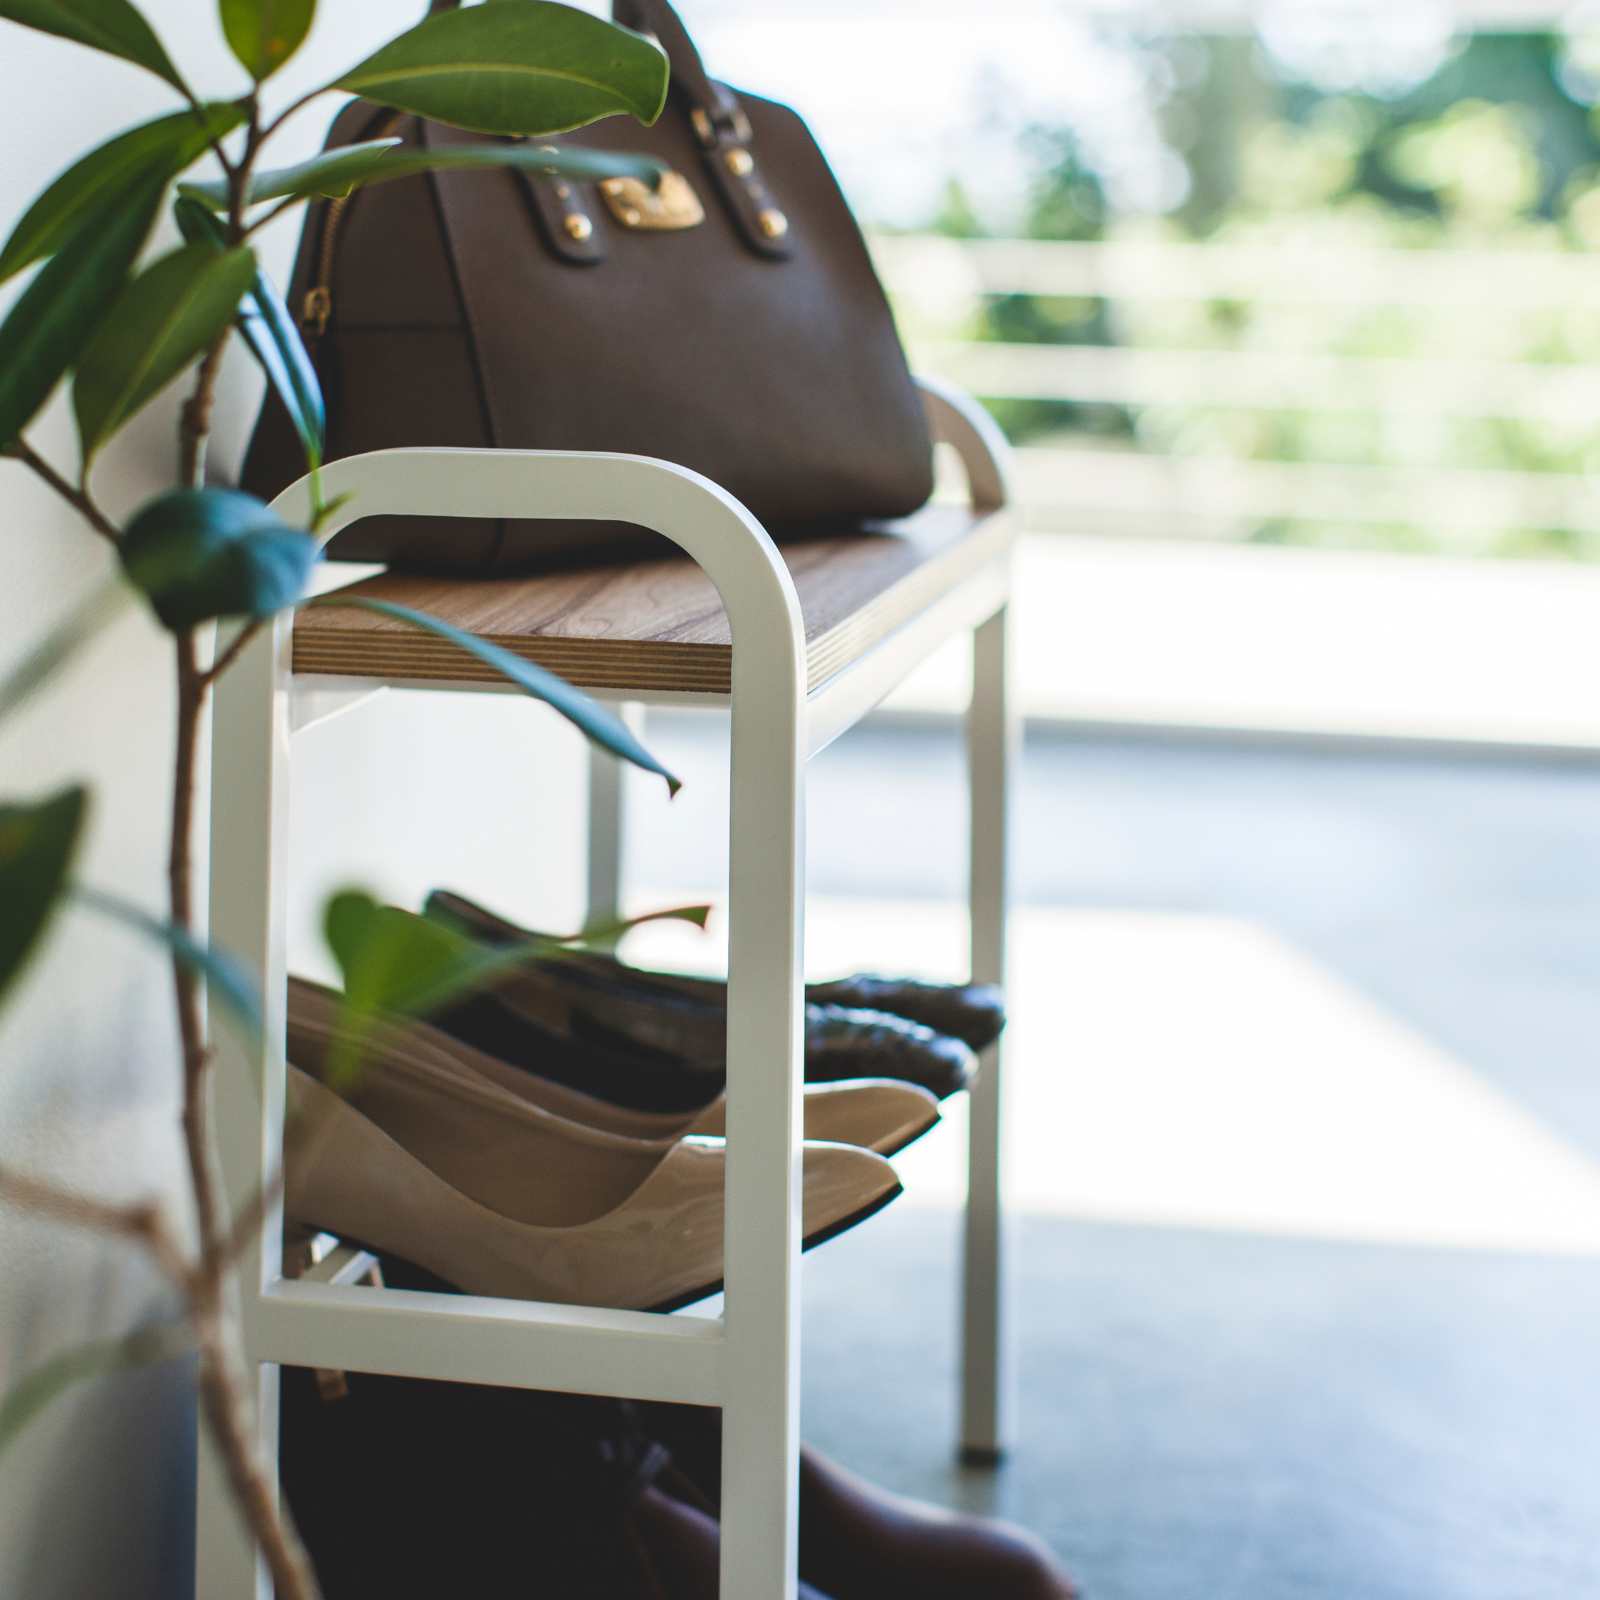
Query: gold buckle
(671, 206)
(706, 130)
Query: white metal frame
(746, 1361)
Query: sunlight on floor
(1198, 1071)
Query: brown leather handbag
(729, 321)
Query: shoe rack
(804, 644)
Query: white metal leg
(766, 843)
(249, 829)
(760, 1417)
(608, 823)
(992, 733)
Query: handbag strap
(719, 123)
(658, 17)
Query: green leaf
(390, 960)
(269, 332)
(263, 34)
(515, 66)
(160, 323)
(603, 935)
(53, 1377)
(154, 151)
(37, 844)
(396, 961)
(274, 340)
(57, 315)
(74, 630)
(204, 553)
(587, 715)
(328, 175)
(114, 26)
(222, 975)
(337, 172)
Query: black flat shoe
(656, 1041)
(974, 1013)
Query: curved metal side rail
(754, 1365)
(956, 419)
(845, 698)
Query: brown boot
(859, 1542)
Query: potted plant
(120, 329)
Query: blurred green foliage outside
(1498, 150)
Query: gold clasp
(668, 208)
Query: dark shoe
(405, 1489)
(412, 1490)
(679, 1545)
(883, 1115)
(974, 1013)
(655, 1040)
(859, 1542)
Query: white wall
(95, 1498)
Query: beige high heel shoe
(884, 1115)
(493, 1195)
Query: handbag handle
(719, 123)
(658, 17)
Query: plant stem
(186, 986)
(224, 1376)
(77, 498)
(235, 649)
(222, 1389)
(194, 422)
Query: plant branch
(78, 499)
(240, 643)
(302, 1139)
(217, 147)
(142, 1221)
(290, 109)
(223, 1384)
(251, 1216)
(273, 215)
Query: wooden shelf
(656, 625)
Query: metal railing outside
(1126, 485)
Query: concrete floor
(1293, 1402)
(1235, 1417)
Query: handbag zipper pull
(317, 307)
(315, 311)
